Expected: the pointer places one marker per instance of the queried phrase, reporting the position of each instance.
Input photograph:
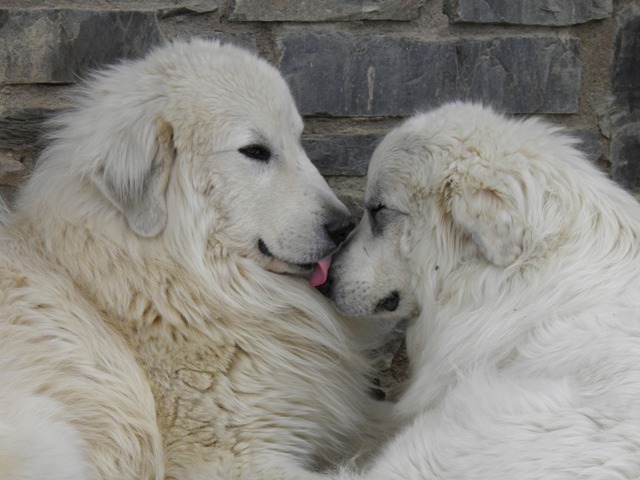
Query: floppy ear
(134, 175)
(489, 212)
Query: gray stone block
(590, 143)
(625, 160)
(195, 7)
(619, 120)
(340, 154)
(626, 60)
(528, 12)
(323, 11)
(338, 74)
(55, 46)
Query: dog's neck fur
(184, 307)
(452, 335)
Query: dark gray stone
(23, 127)
(528, 12)
(626, 61)
(323, 11)
(55, 46)
(338, 74)
(625, 157)
(619, 120)
(340, 154)
(590, 143)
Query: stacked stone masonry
(356, 67)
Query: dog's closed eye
(256, 152)
(374, 213)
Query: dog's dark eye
(256, 152)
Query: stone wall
(356, 67)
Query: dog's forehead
(236, 100)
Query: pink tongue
(319, 275)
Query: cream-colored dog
(143, 333)
(522, 264)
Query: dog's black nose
(339, 229)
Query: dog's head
(200, 143)
(446, 190)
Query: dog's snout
(339, 228)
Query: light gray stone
(339, 74)
(528, 12)
(55, 46)
(323, 11)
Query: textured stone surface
(340, 154)
(338, 74)
(54, 46)
(325, 10)
(180, 30)
(619, 120)
(194, 7)
(22, 127)
(625, 155)
(528, 12)
(104, 4)
(626, 60)
(590, 143)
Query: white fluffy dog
(143, 333)
(522, 262)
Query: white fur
(523, 262)
(143, 333)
